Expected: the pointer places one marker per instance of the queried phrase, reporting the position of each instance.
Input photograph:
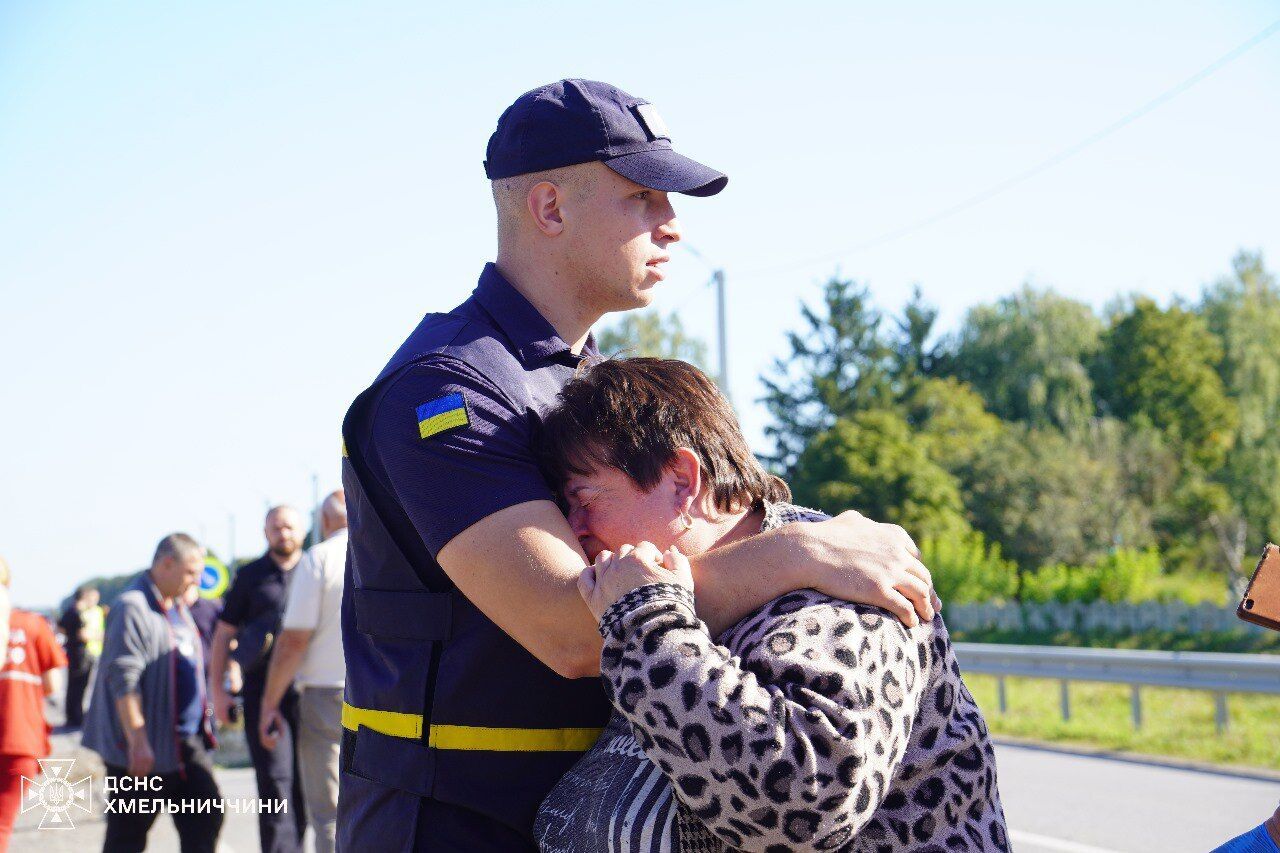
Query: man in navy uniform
(472, 662)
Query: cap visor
(668, 171)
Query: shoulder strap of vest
(369, 484)
(435, 333)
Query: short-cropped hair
(633, 414)
(177, 545)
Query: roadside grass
(1175, 723)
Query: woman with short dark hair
(813, 724)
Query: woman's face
(608, 510)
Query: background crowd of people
(267, 656)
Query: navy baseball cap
(577, 121)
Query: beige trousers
(319, 737)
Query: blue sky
(217, 221)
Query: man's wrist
(806, 551)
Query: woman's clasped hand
(612, 575)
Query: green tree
(840, 363)
(915, 357)
(1026, 356)
(648, 333)
(1158, 369)
(1161, 365)
(1243, 310)
(848, 362)
(951, 421)
(872, 462)
(1046, 498)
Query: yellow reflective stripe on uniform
(474, 738)
(391, 723)
(512, 740)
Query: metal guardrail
(1217, 673)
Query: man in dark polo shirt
(472, 663)
(251, 615)
(79, 661)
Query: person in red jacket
(29, 673)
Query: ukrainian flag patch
(442, 413)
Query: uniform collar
(533, 337)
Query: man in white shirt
(308, 652)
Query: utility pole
(722, 321)
(722, 325)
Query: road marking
(1057, 844)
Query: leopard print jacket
(814, 724)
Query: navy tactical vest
(440, 703)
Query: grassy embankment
(1176, 723)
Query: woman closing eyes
(812, 724)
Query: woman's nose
(578, 522)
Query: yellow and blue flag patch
(442, 413)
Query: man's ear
(686, 473)
(544, 201)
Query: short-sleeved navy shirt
(451, 438)
(255, 604)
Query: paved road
(1056, 802)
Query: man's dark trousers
(197, 827)
(276, 770)
(78, 672)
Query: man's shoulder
(132, 602)
(470, 382)
(254, 568)
(476, 364)
(251, 574)
(30, 622)
(329, 555)
(463, 341)
(334, 546)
